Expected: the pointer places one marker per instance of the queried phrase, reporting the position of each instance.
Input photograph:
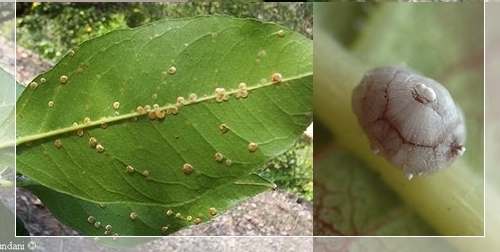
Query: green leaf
(135, 67)
(444, 44)
(341, 204)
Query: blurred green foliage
(50, 29)
(293, 169)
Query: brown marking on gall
(219, 157)
(252, 147)
(187, 169)
(212, 211)
(92, 142)
(58, 143)
(223, 128)
(63, 79)
(276, 78)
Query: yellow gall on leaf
(86, 120)
(79, 132)
(180, 101)
(172, 70)
(164, 229)
(33, 85)
(152, 115)
(129, 169)
(172, 110)
(116, 105)
(192, 97)
(219, 157)
(197, 221)
(133, 216)
(92, 142)
(252, 147)
(187, 168)
(58, 143)
(160, 114)
(212, 211)
(281, 33)
(276, 78)
(223, 128)
(99, 148)
(63, 79)
(242, 86)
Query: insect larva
(411, 120)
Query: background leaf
(134, 67)
(7, 122)
(444, 43)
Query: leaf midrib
(131, 115)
